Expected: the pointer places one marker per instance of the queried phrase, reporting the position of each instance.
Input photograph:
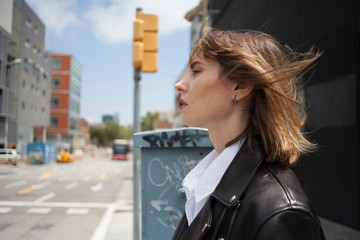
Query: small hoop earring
(234, 100)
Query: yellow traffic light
(150, 62)
(145, 31)
(138, 54)
(138, 29)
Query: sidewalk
(121, 225)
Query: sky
(98, 33)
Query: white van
(9, 156)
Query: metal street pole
(136, 128)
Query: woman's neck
(228, 130)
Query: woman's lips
(182, 104)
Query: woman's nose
(180, 87)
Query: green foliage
(112, 130)
(98, 135)
(105, 134)
(147, 121)
(126, 132)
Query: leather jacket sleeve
(291, 225)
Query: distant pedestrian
(243, 87)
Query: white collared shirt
(202, 180)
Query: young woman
(242, 87)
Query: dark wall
(331, 176)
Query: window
(34, 69)
(46, 57)
(56, 63)
(55, 83)
(1, 100)
(55, 102)
(44, 93)
(37, 73)
(36, 30)
(54, 121)
(43, 109)
(28, 23)
(45, 75)
(8, 76)
(27, 43)
(23, 106)
(26, 65)
(35, 50)
(25, 84)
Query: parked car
(9, 156)
(64, 156)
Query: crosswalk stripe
(5, 209)
(38, 210)
(54, 204)
(78, 211)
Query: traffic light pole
(136, 128)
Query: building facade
(65, 117)
(32, 78)
(7, 86)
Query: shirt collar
(202, 180)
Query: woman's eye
(195, 71)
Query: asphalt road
(61, 201)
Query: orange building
(65, 119)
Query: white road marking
(5, 209)
(77, 211)
(54, 204)
(97, 187)
(2, 176)
(101, 229)
(15, 184)
(71, 185)
(39, 210)
(46, 197)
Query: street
(63, 201)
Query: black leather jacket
(254, 200)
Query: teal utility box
(166, 158)
(41, 153)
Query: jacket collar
(240, 172)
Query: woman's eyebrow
(193, 64)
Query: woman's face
(206, 99)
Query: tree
(98, 135)
(112, 130)
(148, 120)
(126, 132)
(103, 135)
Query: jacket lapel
(199, 225)
(240, 172)
(230, 188)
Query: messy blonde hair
(276, 112)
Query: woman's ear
(242, 91)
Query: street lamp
(13, 62)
